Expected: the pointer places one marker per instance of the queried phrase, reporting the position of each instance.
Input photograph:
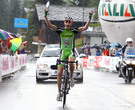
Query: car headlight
(127, 62)
(79, 66)
(42, 66)
(133, 62)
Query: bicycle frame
(66, 82)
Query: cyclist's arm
(83, 28)
(53, 27)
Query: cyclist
(67, 46)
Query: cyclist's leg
(59, 77)
(71, 58)
(59, 81)
(71, 65)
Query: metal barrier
(10, 64)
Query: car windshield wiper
(47, 56)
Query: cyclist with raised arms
(67, 46)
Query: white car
(46, 65)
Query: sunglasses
(68, 21)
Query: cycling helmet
(68, 18)
(129, 40)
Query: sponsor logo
(121, 10)
(67, 35)
(115, 10)
(67, 38)
(67, 43)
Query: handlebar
(66, 61)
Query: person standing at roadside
(87, 52)
(4, 45)
(98, 52)
(105, 52)
(116, 52)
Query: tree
(15, 12)
(4, 14)
(78, 3)
(94, 3)
(54, 2)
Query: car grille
(43, 74)
(54, 67)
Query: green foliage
(78, 2)
(15, 12)
(9, 9)
(30, 4)
(86, 3)
(54, 2)
(93, 3)
(4, 14)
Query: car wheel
(38, 80)
(80, 80)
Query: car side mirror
(36, 56)
(82, 55)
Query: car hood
(52, 60)
(47, 60)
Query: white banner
(107, 62)
(10, 64)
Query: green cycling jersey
(67, 38)
(67, 43)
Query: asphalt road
(99, 91)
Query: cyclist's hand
(90, 14)
(45, 12)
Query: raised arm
(53, 27)
(83, 28)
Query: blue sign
(20, 23)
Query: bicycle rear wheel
(64, 91)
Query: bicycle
(66, 82)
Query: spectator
(8, 48)
(116, 52)
(112, 53)
(105, 52)
(0, 46)
(4, 46)
(23, 51)
(87, 52)
(98, 53)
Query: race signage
(20, 23)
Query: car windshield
(130, 52)
(51, 53)
(52, 46)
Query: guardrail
(106, 62)
(10, 64)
